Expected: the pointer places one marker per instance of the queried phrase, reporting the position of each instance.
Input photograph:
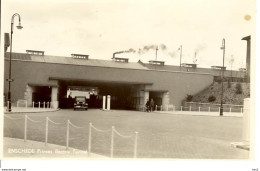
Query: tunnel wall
(178, 84)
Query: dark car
(80, 103)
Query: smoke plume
(147, 48)
(124, 51)
(173, 54)
(200, 48)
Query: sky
(102, 27)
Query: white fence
(25, 104)
(209, 109)
(171, 107)
(113, 131)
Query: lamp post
(222, 77)
(10, 60)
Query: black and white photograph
(135, 80)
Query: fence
(25, 104)
(209, 109)
(170, 107)
(113, 131)
(212, 107)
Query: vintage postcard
(128, 79)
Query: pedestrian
(147, 106)
(69, 101)
(151, 105)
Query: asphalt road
(160, 135)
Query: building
(41, 78)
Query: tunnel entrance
(41, 94)
(122, 94)
(156, 96)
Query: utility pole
(180, 48)
(195, 59)
(156, 53)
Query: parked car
(80, 103)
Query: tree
(238, 88)
(189, 98)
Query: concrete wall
(28, 94)
(227, 73)
(178, 84)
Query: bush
(211, 98)
(238, 88)
(189, 98)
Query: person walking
(151, 105)
(147, 106)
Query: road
(160, 135)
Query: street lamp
(10, 60)
(222, 77)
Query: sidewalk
(192, 113)
(17, 148)
(197, 113)
(28, 110)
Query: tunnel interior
(41, 94)
(156, 96)
(121, 93)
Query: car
(80, 103)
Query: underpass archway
(124, 95)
